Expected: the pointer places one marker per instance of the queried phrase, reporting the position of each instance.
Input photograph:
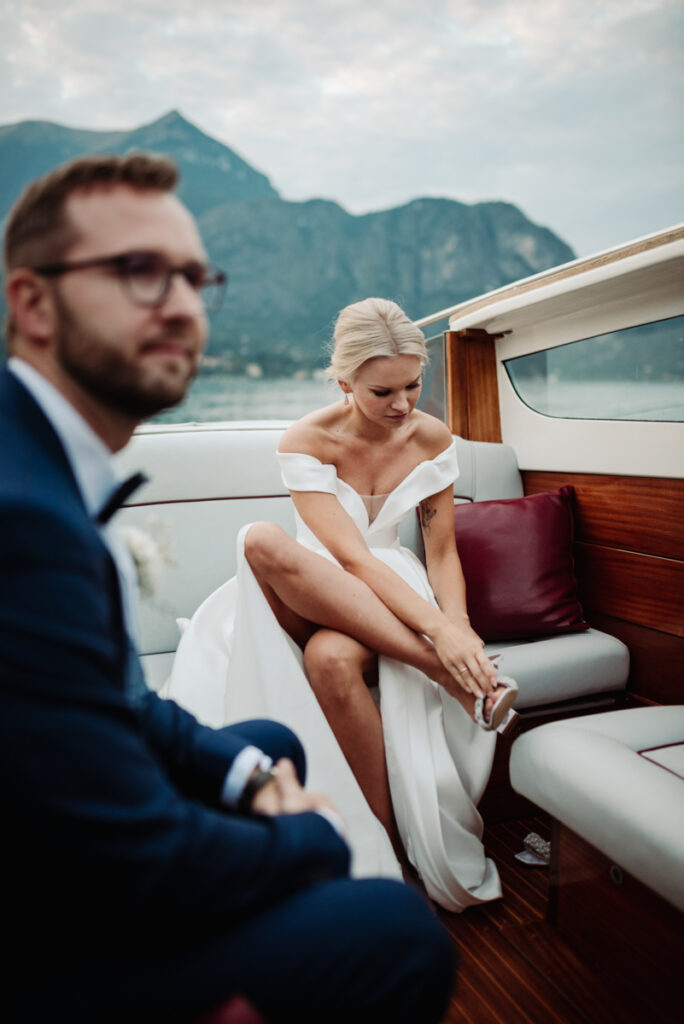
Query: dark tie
(119, 496)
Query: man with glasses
(153, 867)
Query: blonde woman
(321, 619)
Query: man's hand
(285, 794)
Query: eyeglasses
(146, 277)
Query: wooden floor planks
(513, 966)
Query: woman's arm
(448, 584)
(325, 516)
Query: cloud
(569, 108)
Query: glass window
(433, 393)
(633, 374)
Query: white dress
(235, 662)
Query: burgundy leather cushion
(517, 561)
(235, 1011)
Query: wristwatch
(257, 780)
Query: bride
(344, 636)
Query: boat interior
(570, 436)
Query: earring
(346, 398)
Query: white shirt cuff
(240, 771)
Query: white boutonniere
(150, 550)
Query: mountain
(212, 173)
(293, 266)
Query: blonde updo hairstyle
(371, 328)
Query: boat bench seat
(617, 780)
(208, 480)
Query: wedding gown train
(234, 662)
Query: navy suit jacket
(112, 830)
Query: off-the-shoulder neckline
(333, 467)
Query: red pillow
(518, 566)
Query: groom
(151, 867)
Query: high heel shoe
(502, 715)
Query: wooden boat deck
(516, 969)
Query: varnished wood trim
(472, 387)
(456, 395)
(514, 966)
(631, 935)
(629, 552)
(644, 514)
(643, 589)
(656, 659)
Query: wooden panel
(629, 552)
(515, 968)
(640, 588)
(635, 513)
(472, 389)
(456, 369)
(633, 937)
(656, 659)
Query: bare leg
(306, 591)
(339, 669)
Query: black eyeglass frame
(212, 277)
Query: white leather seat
(563, 667)
(600, 775)
(208, 480)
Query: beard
(104, 371)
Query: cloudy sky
(572, 109)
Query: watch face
(256, 781)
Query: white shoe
(502, 715)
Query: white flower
(149, 553)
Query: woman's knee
(271, 551)
(329, 653)
(335, 663)
(263, 543)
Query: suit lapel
(46, 464)
(37, 433)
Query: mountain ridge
(294, 264)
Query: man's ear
(31, 305)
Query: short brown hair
(38, 231)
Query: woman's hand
(461, 651)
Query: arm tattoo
(427, 514)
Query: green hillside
(293, 266)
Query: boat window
(433, 393)
(632, 374)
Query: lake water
(218, 397)
(224, 397)
(606, 400)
